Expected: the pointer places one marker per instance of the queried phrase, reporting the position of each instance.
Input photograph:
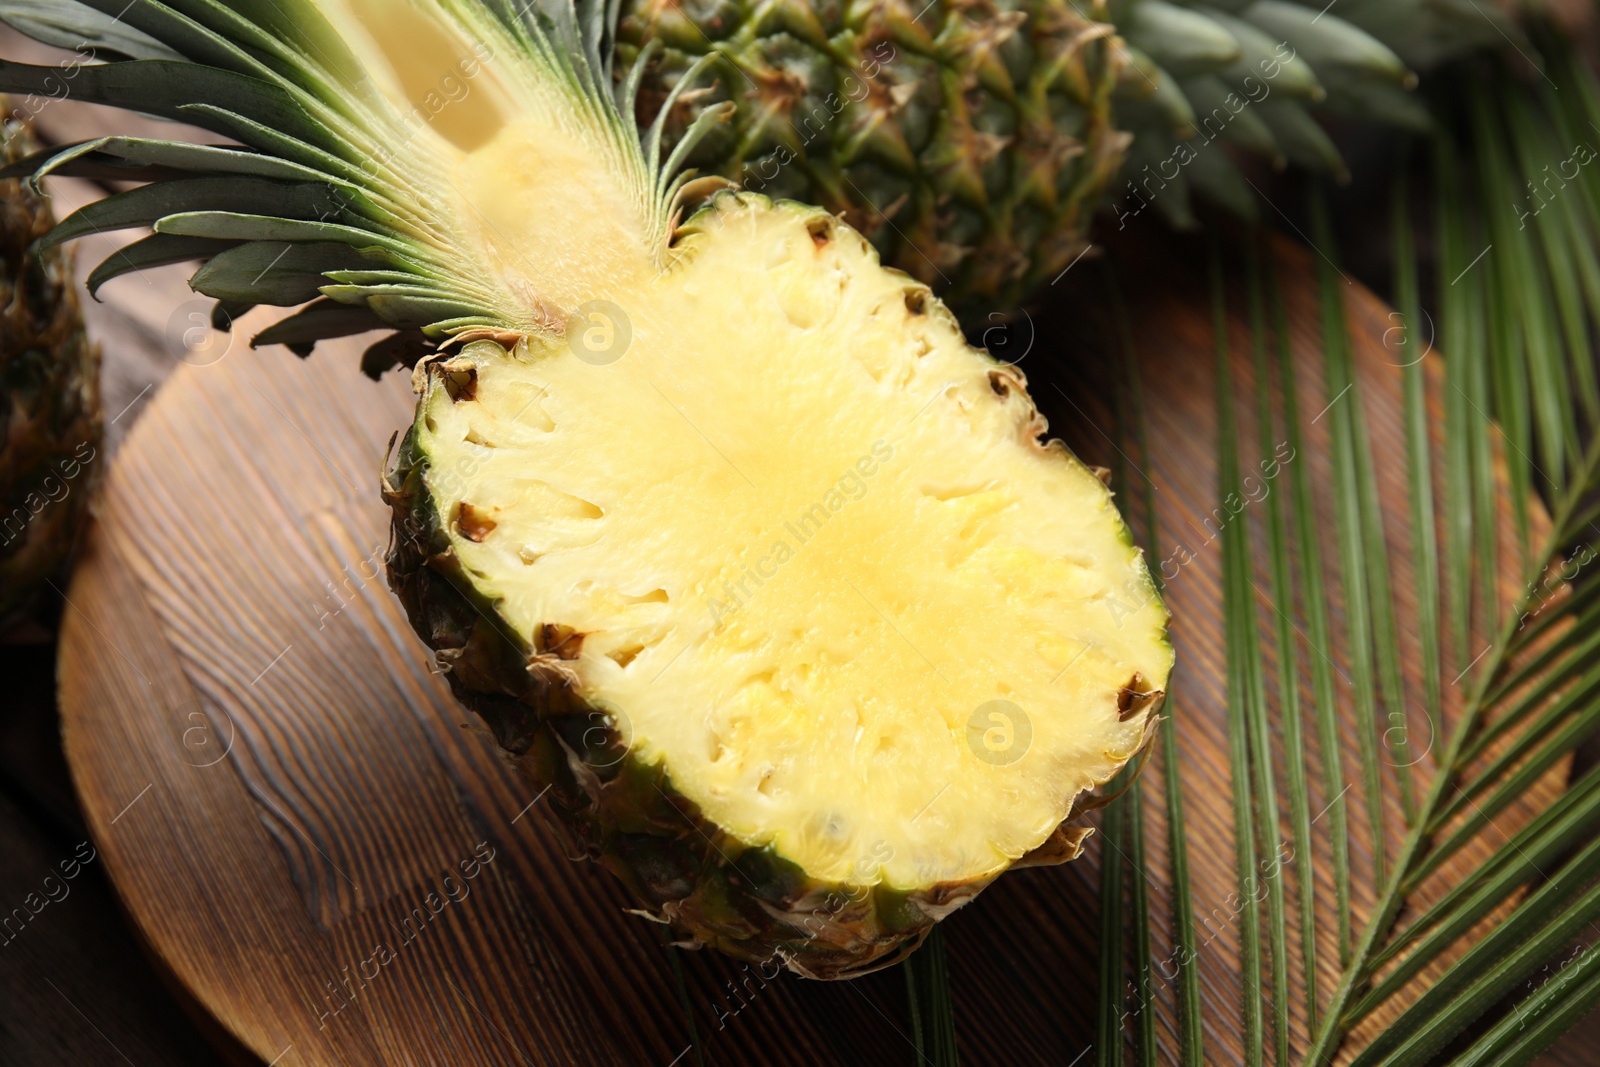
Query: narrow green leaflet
(933, 1026)
(1185, 940)
(1342, 398)
(1413, 350)
(1310, 577)
(1108, 1035)
(1294, 750)
(682, 988)
(1244, 690)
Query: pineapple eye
(474, 523)
(461, 382)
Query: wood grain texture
(290, 803)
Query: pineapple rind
(972, 141)
(50, 424)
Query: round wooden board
(310, 840)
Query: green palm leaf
(1530, 704)
(1517, 311)
(1284, 647)
(1247, 726)
(933, 1026)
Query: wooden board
(286, 797)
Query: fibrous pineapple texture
(723, 529)
(49, 393)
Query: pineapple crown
(313, 204)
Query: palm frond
(1450, 950)
(1535, 693)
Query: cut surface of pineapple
(807, 550)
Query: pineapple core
(807, 550)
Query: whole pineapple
(49, 392)
(969, 140)
(972, 140)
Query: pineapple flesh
(733, 542)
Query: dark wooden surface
(225, 604)
(74, 958)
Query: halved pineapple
(798, 566)
(721, 526)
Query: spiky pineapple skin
(969, 140)
(50, 420)
(973, 140)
